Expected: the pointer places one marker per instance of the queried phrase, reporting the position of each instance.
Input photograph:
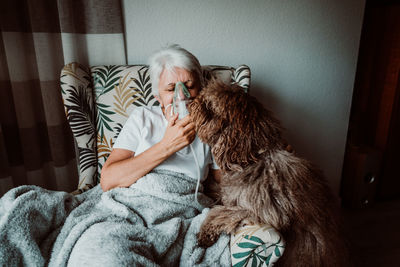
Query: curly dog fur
(262, 182)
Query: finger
(191, 136)
(173, 119)
(189, 127)
(184, 121)
(190, 132)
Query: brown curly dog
(263, 183)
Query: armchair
(98, 101)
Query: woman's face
(166, 86)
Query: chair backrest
(98, 101)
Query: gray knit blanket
(152, 223)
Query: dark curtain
(37, 38)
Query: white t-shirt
(146, 126)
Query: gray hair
(171, 57)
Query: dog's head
(236, 126)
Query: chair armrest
(255, 245)
(77, 94)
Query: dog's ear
(217, 96)
(247, 127)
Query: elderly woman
(152, 137)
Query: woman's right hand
(178, 133)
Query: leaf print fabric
(256, 245)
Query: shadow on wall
(300, 140)
(307, 141)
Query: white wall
(302, 55)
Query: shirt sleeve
(129, 137)
(213, 164)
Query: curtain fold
(37, 38)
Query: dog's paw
(207, 239)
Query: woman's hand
(124, 168)
(178, 133)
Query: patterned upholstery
(255, 245)
(97, 103)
